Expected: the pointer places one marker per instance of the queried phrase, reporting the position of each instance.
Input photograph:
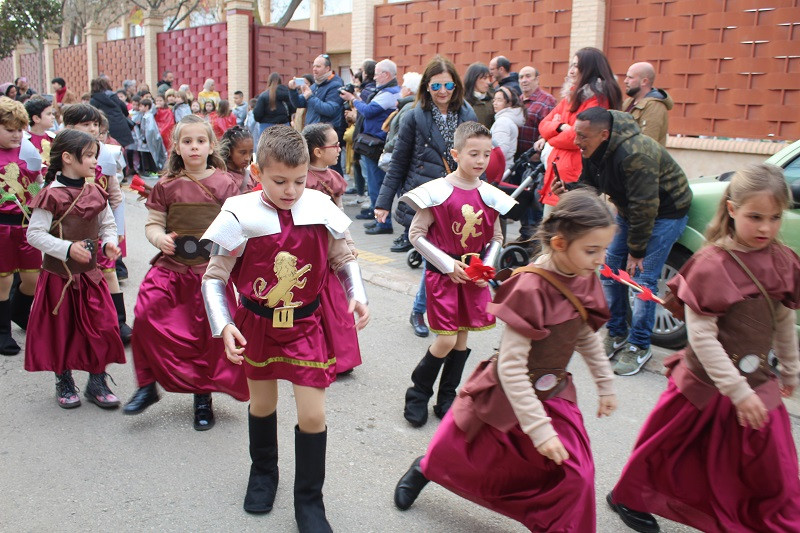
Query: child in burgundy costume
(72, 308)
(172, 343)
(87, 118)
(281, 242)
(457, 216)
(41, 115)
(340, 330)
(717, 452)
(20, 165)
(514, 440)
(236, 148)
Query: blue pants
(665, 232)
(421, 299)
(374, 176)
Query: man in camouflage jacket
(652, 197)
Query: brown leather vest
(745, 332)
(190, 221)
(73, 228)
(548, 359)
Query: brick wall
(121, 60)
(70, 63)
(7, 70)
(195, 54)
(532, 32)
(286, 51)
(31, 67)
(732, 68)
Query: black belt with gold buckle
(268, 312)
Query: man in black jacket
(652, 197)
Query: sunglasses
(450, 85)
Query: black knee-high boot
(417, 396)
(125, 331)
(8, 345)
(263, 482)
(21, 308)
(451, 377)
(309, 476)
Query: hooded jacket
(640, 178)
(650, 113)
(505, 131)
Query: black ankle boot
(409, 486)
(125, 331)
(98, 393)
(66, 391)
(263, 482)
(309, 476)
(8, 345)
(21, 308)
(451, 377)
(417, 396)
(143, 398)
(636, 520)
(203, 412)
(122, 270)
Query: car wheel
(668, 331)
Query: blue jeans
(374, 176)
(665, 232)
(421, 299)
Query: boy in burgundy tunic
(20, 165)
(457, 216)
(281, 241)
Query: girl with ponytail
(76, 323)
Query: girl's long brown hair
(175, 166)
(577, 213)
(755, 179)
(272, 82)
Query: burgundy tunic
(696, 465)
(84, 334)
(172, 342)
(499, 468)
(339, 326)
(286, 268)
(15, 178)
(462, 224)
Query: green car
(670, 332)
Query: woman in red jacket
(589, 83)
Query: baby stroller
(521, 182)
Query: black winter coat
(283, 109)
(416, 159)
(117, 114)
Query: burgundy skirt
(84, 335)
(454, 307)
(17, 253)
(504, 472)
(172, 342)
(339, 325)
(703, 469)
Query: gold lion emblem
(11, 182)
(471, 220)
(288, 275)
(45, 150)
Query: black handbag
(368, 146)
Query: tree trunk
(287, 16)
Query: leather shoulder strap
(757, 283)
(558, 285)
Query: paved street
(87, 469)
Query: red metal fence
(121, 59)
(289, 52)
(71, 64)
(195, 54)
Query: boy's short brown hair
(13, 115)
(469, 130)
(283, 144)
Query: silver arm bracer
(216, 249)
(216, 302)
(492, 253)
(350, 277)
(443, 262)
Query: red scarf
(60, 94)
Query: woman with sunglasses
(422, 153)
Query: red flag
(478, 271)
